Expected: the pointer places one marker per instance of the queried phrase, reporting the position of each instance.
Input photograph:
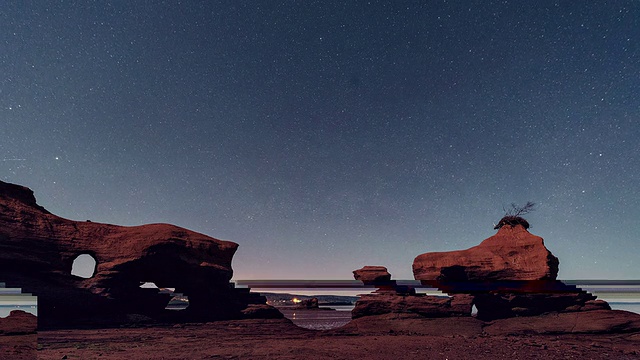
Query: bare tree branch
(512, 215)
(516, 210)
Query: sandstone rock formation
(398, 299)
(598, 321)
(512, 254)
(18, 323)
(583, 322)
(37, 250)
(509, 274)
(379, 277)
(421, 304)
(18, 336)
(372, 275)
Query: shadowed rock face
(37, 251)
(511, 254)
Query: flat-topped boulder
(372, 275)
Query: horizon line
(300, 283)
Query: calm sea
(6, 309)
(330, 319)
(319, 319)
(628, 306)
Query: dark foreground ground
(372, 338)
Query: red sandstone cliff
(37, 250)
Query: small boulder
(261, 311)
(309, 304)
(372, 275)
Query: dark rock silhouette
(308, 304)
(261, 311)
(37, 250)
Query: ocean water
(341, 315)
(318, 319)
(339, 307)
(628, 306)
(5, 310)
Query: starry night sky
(323, 136)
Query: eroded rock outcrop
(37, 250)
(512, 254)
(509, 274)
(372, 275)
(18, 323)
(400, 299)
(421, 304)
(510, 278)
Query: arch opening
(84, 266)
(177, 301)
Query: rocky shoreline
(523, 311)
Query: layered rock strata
(421, 304)
(18, 323)
(400, 299)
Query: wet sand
(18, 347)
(317, 319)
(370, 338)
